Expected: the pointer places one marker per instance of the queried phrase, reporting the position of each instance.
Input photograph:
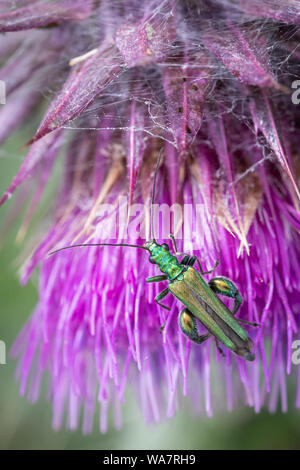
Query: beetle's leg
(160, 296)
(177, 253)
(194, 258)
(157, 299)
(187, 323)
(173, 242)
(248, 322)
(219, 348)
(162, 277)
(189, 261)
(185, 260)
(223, 286)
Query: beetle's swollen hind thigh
(223, 286)
(188, 325)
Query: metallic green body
(166, 262)
(199, 298)
(201, 301)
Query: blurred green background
(26, 426)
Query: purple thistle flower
(209, 83)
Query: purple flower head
(209, 85)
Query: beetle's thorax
(167, 263)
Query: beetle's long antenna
(153, 194)
(96, 244)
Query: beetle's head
(150, 245)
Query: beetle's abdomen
(192, 291)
